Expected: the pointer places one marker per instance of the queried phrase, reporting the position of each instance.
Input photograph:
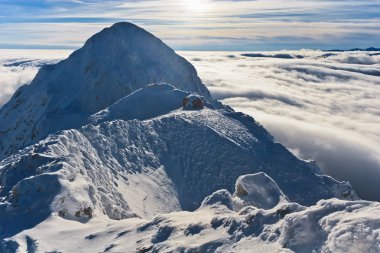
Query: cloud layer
(196, 24)
(322, 106)
(19, 67)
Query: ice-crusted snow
(130, 171)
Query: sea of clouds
(18, 67)
(323, 106)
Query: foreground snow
(329, 226)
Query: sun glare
(196, 5)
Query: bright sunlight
(196, 5)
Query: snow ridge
(128, 167)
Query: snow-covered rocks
(332, 226)
(221, 197)
(329, 226)
(257, 190)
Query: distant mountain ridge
(370, 49)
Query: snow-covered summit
(111, 65)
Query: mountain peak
(112, 64)
(124, 31)
(124, 25)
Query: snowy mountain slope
(114, 160)
(111, 65)
(126, 168)
(329, 226)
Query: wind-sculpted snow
(171, 162)
(329, 226)
(111, 65)
(257, 190)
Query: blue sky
(196, 24)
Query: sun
(196, 5)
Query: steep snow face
(160, 164)
(111, 65)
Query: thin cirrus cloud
(197, 24)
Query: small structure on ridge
(193, 102)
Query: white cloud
(19, 67)
(322, 107)
(12, 78)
